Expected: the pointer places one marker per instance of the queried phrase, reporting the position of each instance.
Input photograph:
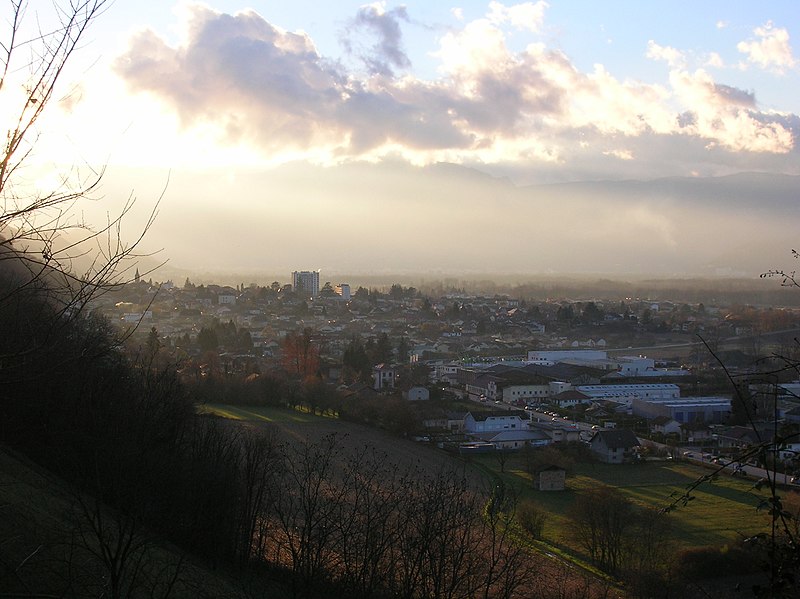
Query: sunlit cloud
(671, 56)
(621, 154)
(528, 15)
(714, 60)
(770, 50)
(269, 89)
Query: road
(721, 343)
(733, 467)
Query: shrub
(531, 519)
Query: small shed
(549, 478)
(417, 393)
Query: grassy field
(723, 511)
(260, 414)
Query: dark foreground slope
(54, 542)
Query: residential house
(558, 431)
(383, 377)
(614, 446)
(570, 398)
(444, 421)
(665, 425)
(737, 437)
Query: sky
(416, 137)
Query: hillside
(50, 546)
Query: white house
(614, 446)
(570, 398)
(665, 425)
(383, 377)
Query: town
(504, 373)
(311, 300)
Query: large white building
(685, 410)
(343, 291)
(626, 393)
(306, 281)
(550, 357)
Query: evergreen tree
(402, 350)
(356, 362)
(207, 339)
(383, 350)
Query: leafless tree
(507, 565)
(40, 232)
(367, 522)
(601, 518)
(258, 466)
(129, 560)
(305, 508)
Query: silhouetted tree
(356, 362)
(207, 339)
(382, 351)
(600, 519)
(327, 290)
(402, 350)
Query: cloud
(771, 49)
(387, 53)
(620, 154)
(528, 15)
(258, 84)
(671, 56)
(714, 60)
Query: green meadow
(723, 510)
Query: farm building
(550, 478)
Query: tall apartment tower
(306, 281)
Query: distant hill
(449, 220)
